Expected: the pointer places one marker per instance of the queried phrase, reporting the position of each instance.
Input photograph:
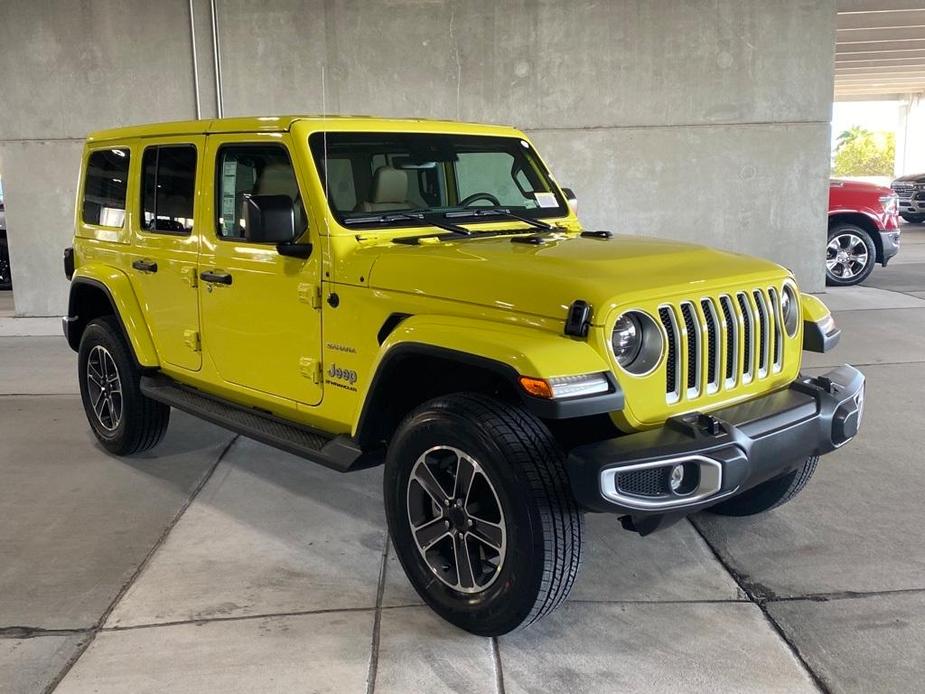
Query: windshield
(374, 177)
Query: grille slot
(778, 337)
(672, 365)
(651, 482)
(712, 340)
(763, 339)
(748, 323)
(732, 340)
(693, 345)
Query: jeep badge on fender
(421, 295)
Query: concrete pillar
(910, 136)
(67, 69)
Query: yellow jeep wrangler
(362, 291)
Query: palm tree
(850, 135)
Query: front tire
(124, 420)
(469, 477)
(769, 495)
(913, 218)
(850, 256)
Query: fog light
(677, 478)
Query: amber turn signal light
(537, 387)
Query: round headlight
(790, 310)
(636, 342)
(626, 339)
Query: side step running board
(341, 453)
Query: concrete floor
(216, 564)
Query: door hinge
(310, 294)
(191, 338)
(310, 368)
(189, 276)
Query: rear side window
(168, 189)
(105, 182)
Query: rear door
(165, 247)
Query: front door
(165, 251)
(261, 316)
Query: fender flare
(820, 333)
(117, 287)
(507, 351)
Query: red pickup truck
(863, 230)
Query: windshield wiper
(500, 212)
(413, 216)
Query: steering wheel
(469, 199)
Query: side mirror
(269, 219)
(571, 199)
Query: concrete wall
(700, 120)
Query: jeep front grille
(720, 342)
(903, 190)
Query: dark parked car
(911, 193)
(6, 281)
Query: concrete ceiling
(879, 49)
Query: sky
(872, 115)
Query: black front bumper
(889, 243)
(725, 453)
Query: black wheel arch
(412, 373)
(862, 221)
(90, 299)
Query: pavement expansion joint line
(24, 632)
(874, 363)
(845, 595)
(98, 626)
(761, 603)
(670, 601)
(234, 618)
(496, 662)
(882, 308)
(377, 621)
(39, 395)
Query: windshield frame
(316, 143)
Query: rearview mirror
(571, 199)
(268, 219)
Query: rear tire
(850, 256)
(517, 496)
(768, 495)
(124, 420)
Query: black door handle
(216, 277)
(145, 265)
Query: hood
(858, 187)
(544, 279)
(911, 178)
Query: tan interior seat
(390, 191)
(278, 178)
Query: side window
(105, 182)
(480, 172)
(247, 170)
(168, 188)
